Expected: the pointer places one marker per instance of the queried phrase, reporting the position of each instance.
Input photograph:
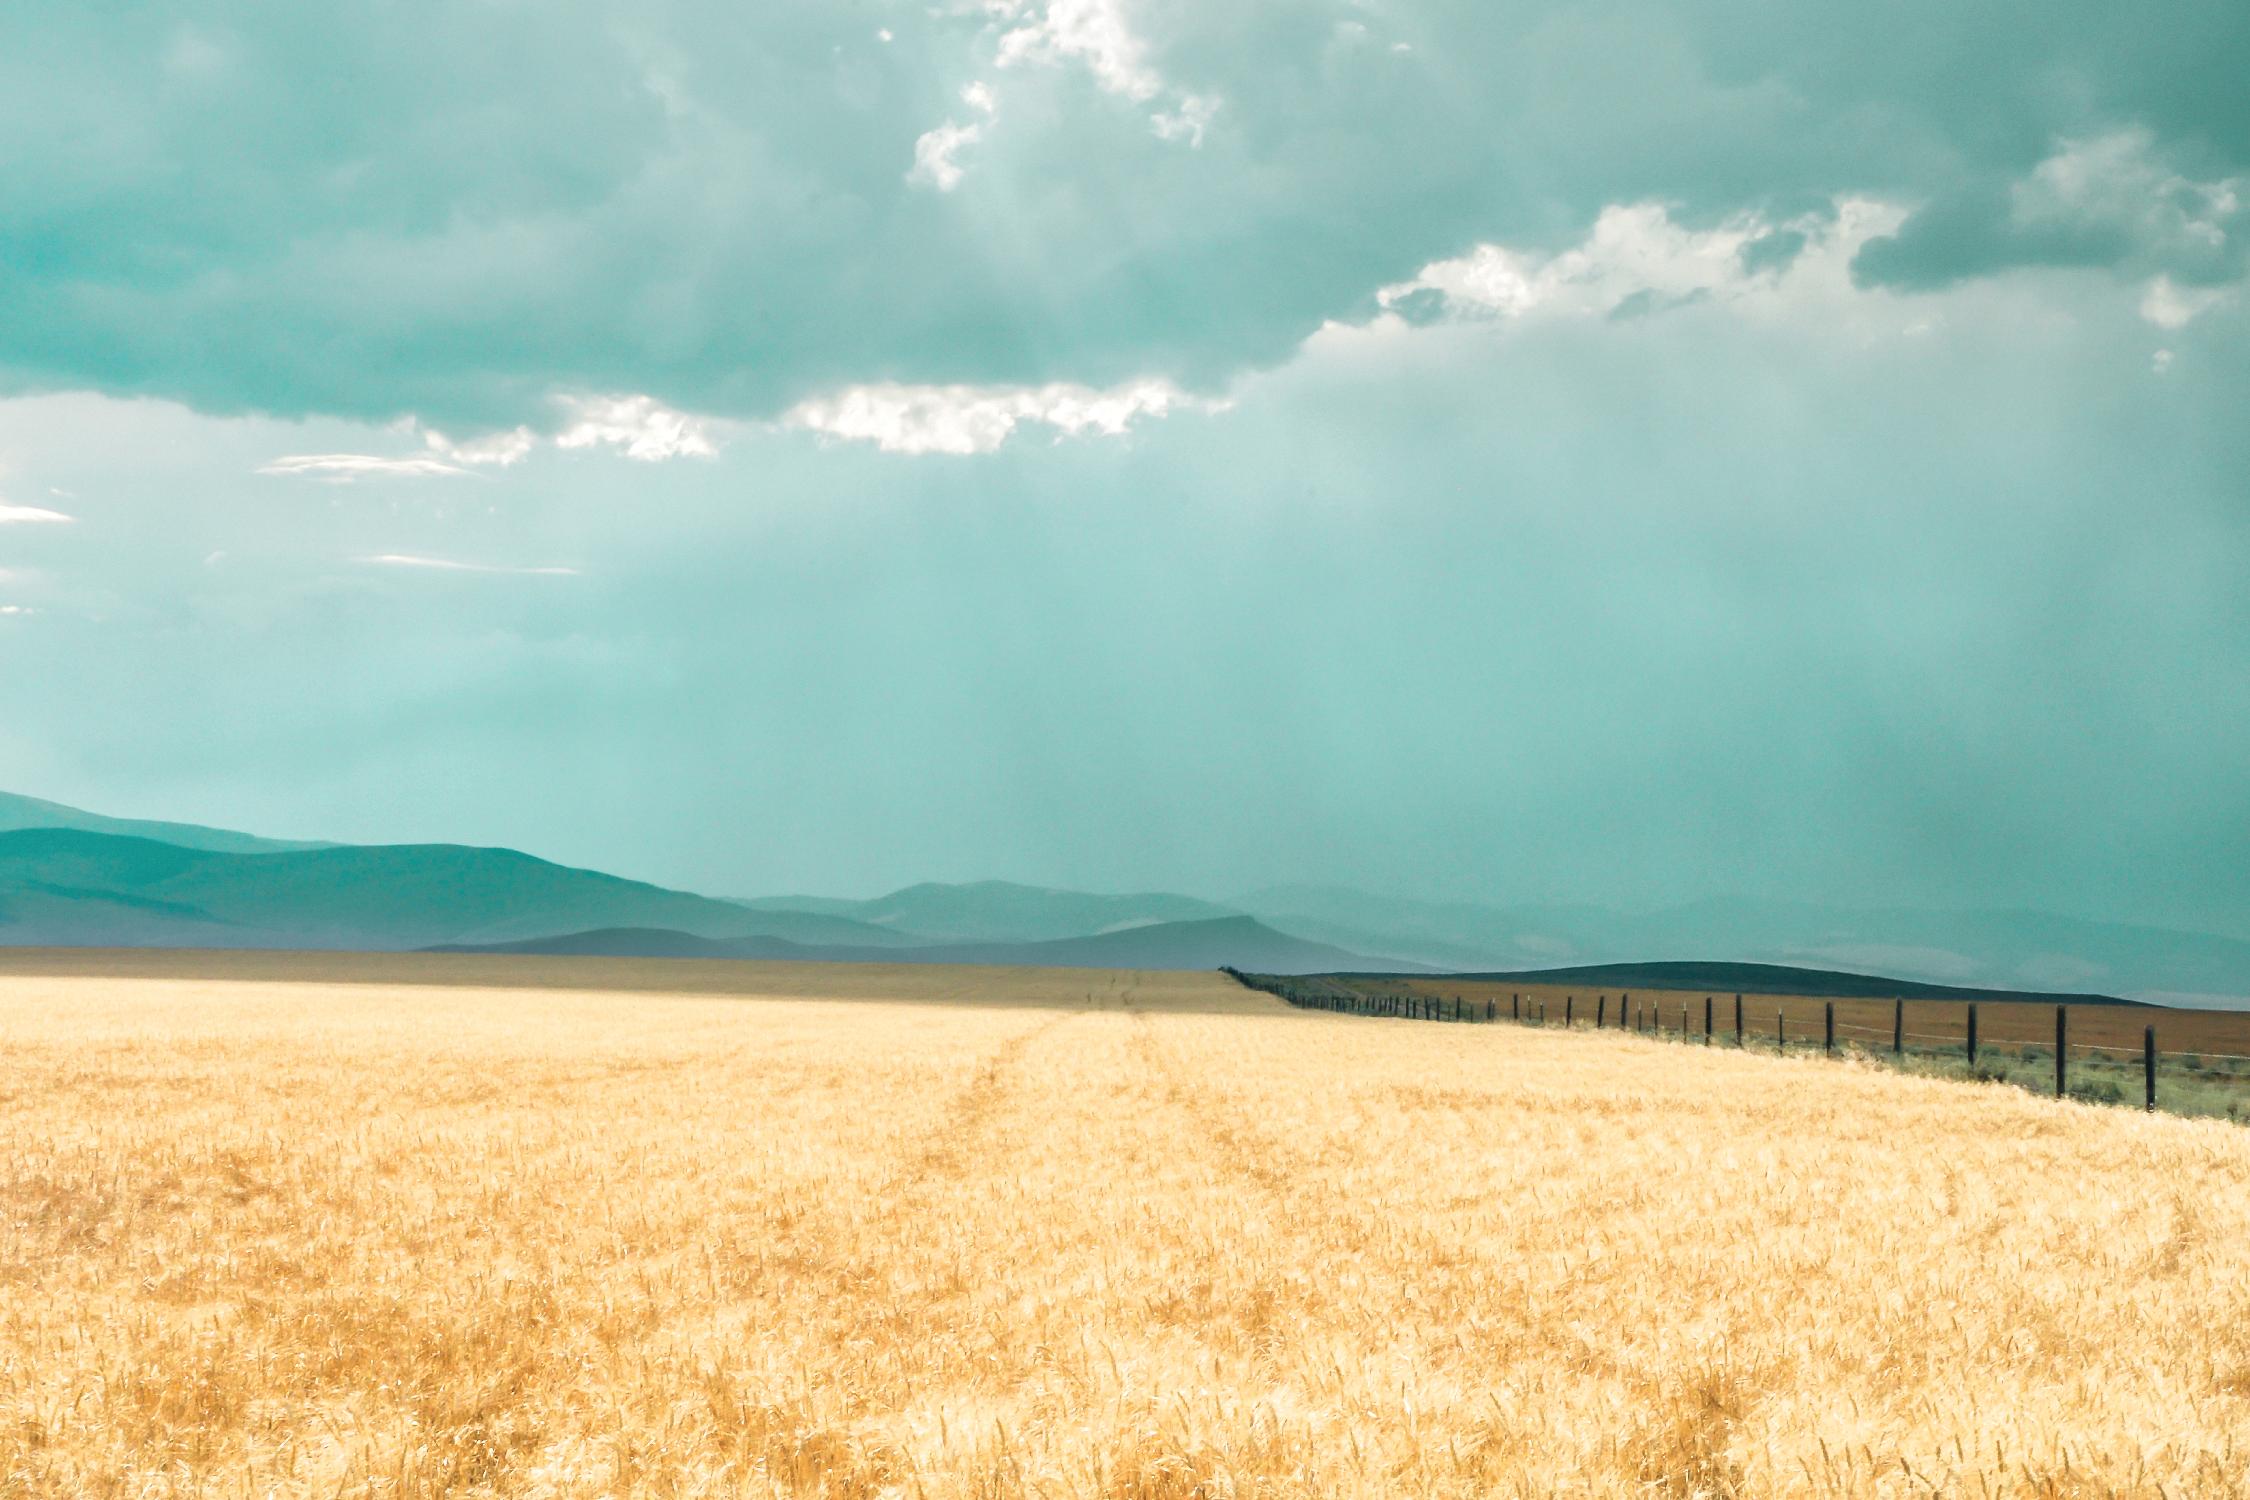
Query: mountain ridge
(1207, 944)
(178, 884)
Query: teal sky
(1619, 453)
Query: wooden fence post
(1569, 1009)
(1515, 1006)
(1898, 1028)
(2148, 1063)
(1781, 1028)
(1828, 1035)
(2062, 1049)
(1683, 1020)
(1738, 1020)
(1491, 1009)
(1972, 1033)
(1706, 1020)
(1601, 1011)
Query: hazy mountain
(1447, 934)
(1238, 942)
(1774, 979)
(1003, 912)
(1997, 948)
(66, 886)
(72, 877)
(17, 812)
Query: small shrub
(2097, 1091)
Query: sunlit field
(546, 1227)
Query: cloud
(31, 515)
(1092, 32)
(962, 419)
(1188, 121)
(640, 427)
(2169, 305)
(450, 565)
(350, 468)
(1635, 260)
(936, 152)
(2110, 200)
(499, 449)
(730, 217)
(1096, 34)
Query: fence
(1924, 1028)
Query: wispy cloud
(31, 515)
(640, 427)
(454, 565)
(962, 419)
(349, 468)
(500, 449)
(937, 152)
(1098, 35)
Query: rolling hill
(1971, 949)
(1771, 979)
(65, 886)
(18, 812)
(72, 877)
(1237, 942)
(1000, 911)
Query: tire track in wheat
(1352, 1258)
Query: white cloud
(937, 152)
(349, 468)
(1635, 258)
(2160, 361)
(450, 565)
(499, 449)
(1093, 32)
(1632, 249)
(2168, 305)
(1097, 35)
(963, 419)
(1188, 122)
(640, 427)
(31, 515)
(2116, 181)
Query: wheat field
(516, 1227)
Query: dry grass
(1105, 1235)
(2204, 1055)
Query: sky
(1618, 453)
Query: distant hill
(62, 886)
(1236, 942)
(1975, 949)
(1773, 979)
(281, 894)
(18, 812)
(1001, 911)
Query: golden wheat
(1068, 1235)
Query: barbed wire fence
(1649, 1016)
